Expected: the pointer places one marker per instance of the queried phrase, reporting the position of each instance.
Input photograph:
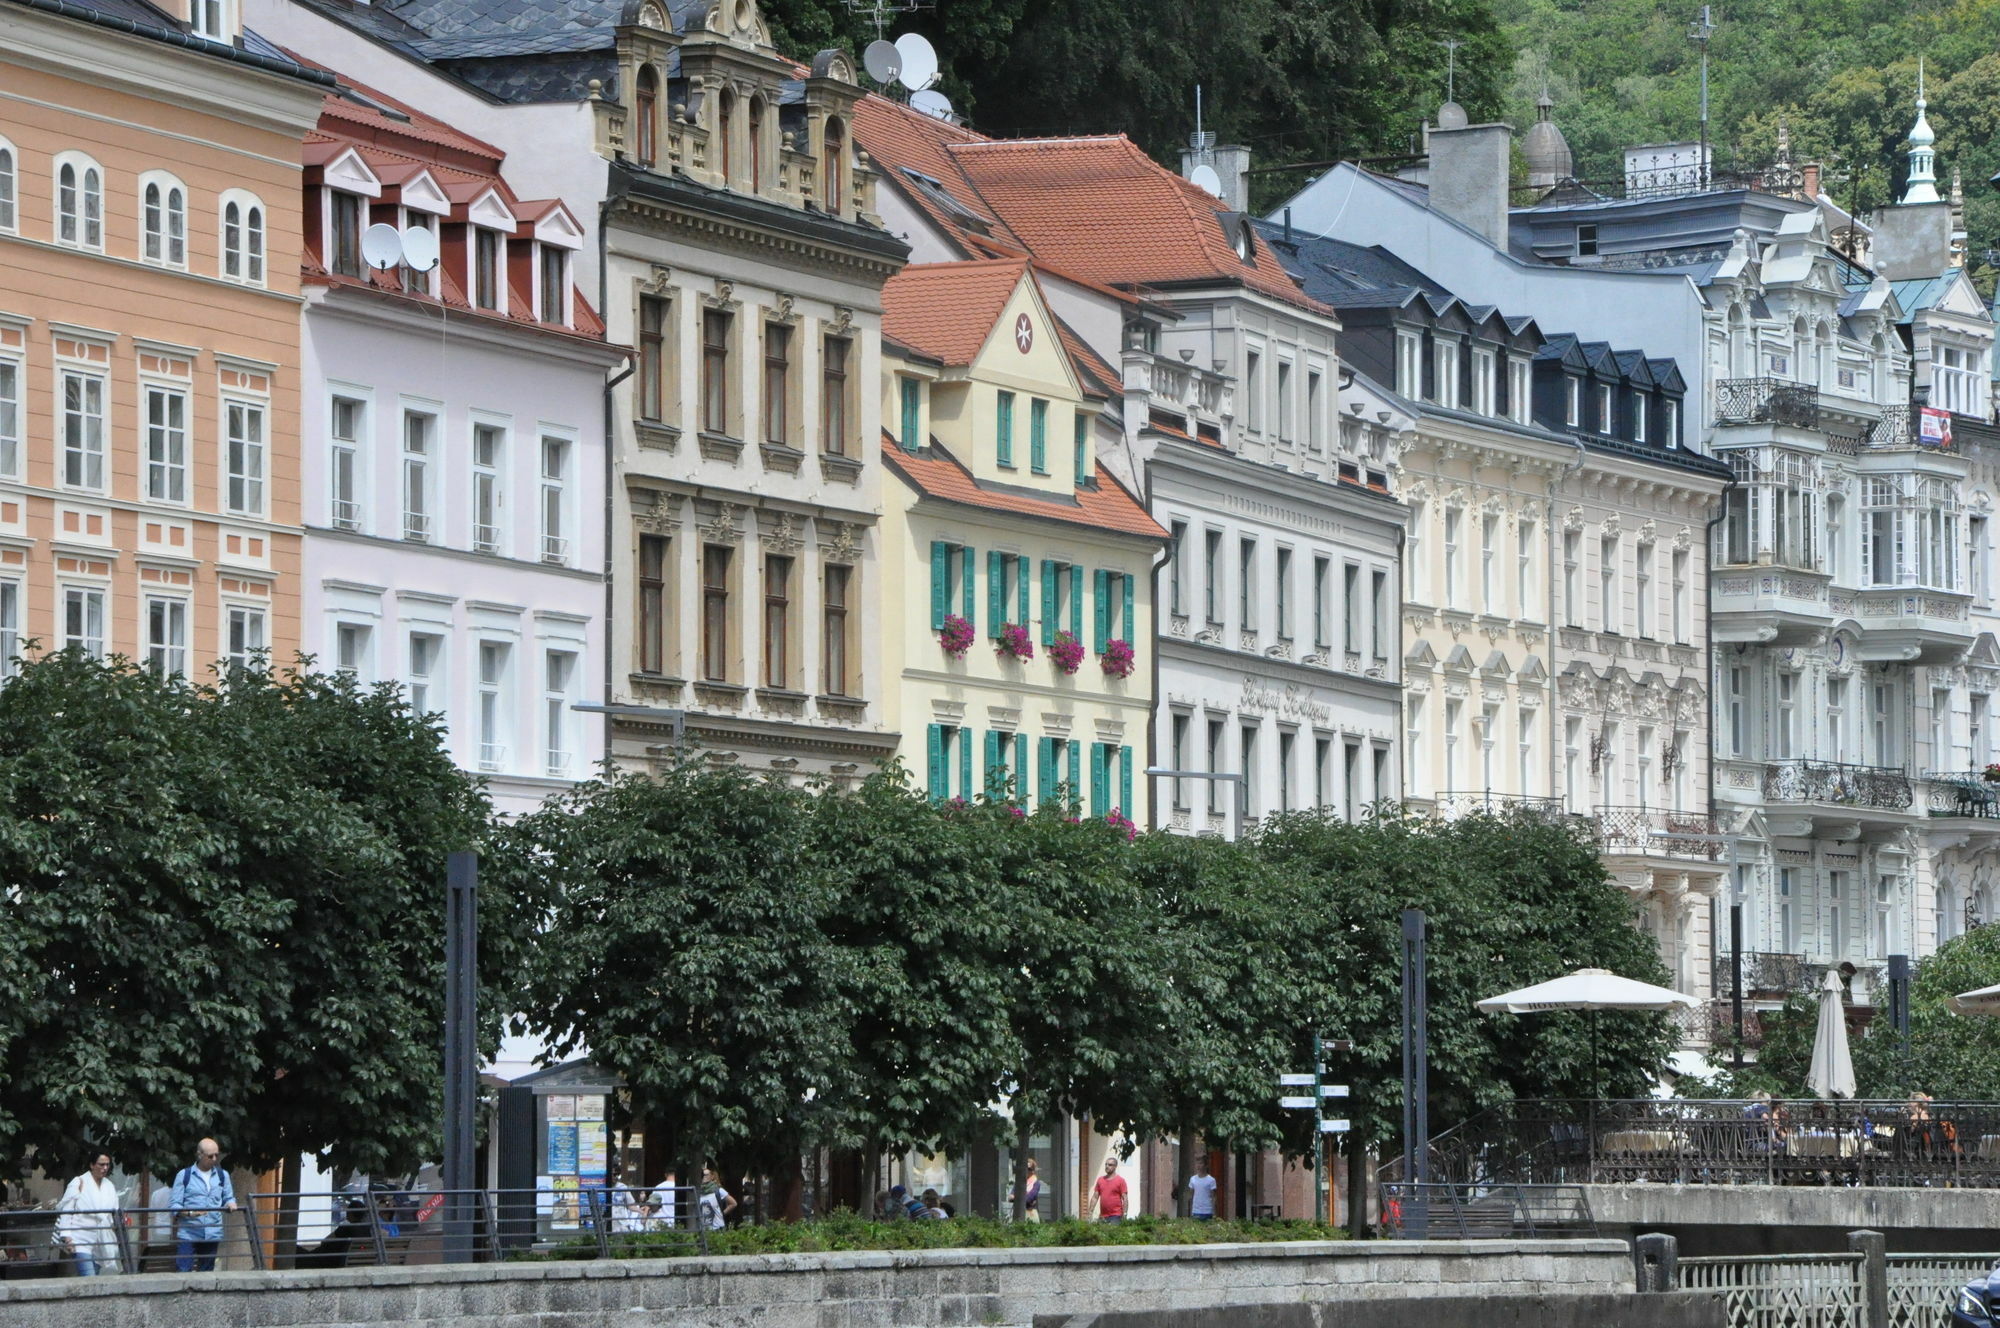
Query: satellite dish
(381, 246)
(932, 103)
(420, 248)
(883, 61)
(1204, 178)
(920, 63)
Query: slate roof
(151, 21)
(1105, 505)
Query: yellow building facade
(1019, 614)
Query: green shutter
(1101, 610)
(995, 739)
(940, 578)
(1020, 771)
(1021, 566)
(965, 759)
(934, 764)
(1100, 779)
(1038, 436)
(1125, 783)
(996, 591)
(1082, 447)
(1076, 601)
(1003, 430)
(1048, 602)
(911, 415)
(1045, 774)
(1075, 770)
(1129, 624)
(971, 586)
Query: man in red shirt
(1107, 1196)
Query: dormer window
(1586, 240)
(1638, 417)
(552, 268)
(1605, 408)
(413, 280)
(756, 128)
(344, 233)
(1573, 402)
(1246, 243)
(833, 157)
(645, 116)
(485, 268)
(209, 19)
(725, 130)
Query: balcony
(1898, 431)
(1178, 386)
(1652, 832)
(1838, 800)
(1766, 401)
(1962, 794)
(1770, 606)
(1767, 976)
(1908, 625)
(1451, 806)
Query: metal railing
(1659, 833)
(1924, 1287)
(486, 538)
(1885, 788)
(1451, 805)
(1766, 401)
(492, 755)
(1963, 793)
(1453, 1211)
(1782, 1290)
(555, 549)
(346, 514)
(1723, 1142)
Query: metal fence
(1443, 1210)
(1924, 1287)
(1723, 1142)
(1833, 1290)
(1766, 401)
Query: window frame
(163, 218)
(83, 216)
(246, 457)
(243, 239)
(167, 467)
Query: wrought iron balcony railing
(1658, 832)
(1899, 430)
(1884, 788)
(1963, 793)
(1766, 401)
(1452, 805)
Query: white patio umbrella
(1591, 989)
(1984, 1001)
(1832, 1072)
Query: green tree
(1950, 1056)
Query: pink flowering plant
(1991, 774)
(1119, 659)
(1118, 820)
(1067, 652)
(1015, 641)
(956, 636)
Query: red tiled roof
(898, 137)
(1108, 506)
(947, 310)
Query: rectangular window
(1385, 630)
(1445, 367)
(10, 628)
(1612, 619)
(419, 437)
(652, 616)
(1836, 719)
(82, 430)
(1786, 739)
(912, 408)
(1520, 396)
(1883, 723)
(1736, 692)
(1454, 518)
(1082, 449)
(1642, 587)
(244, 439)
(777, 383)
(1638, 417)
(348, 422)
(488, 453)
(1670, 434)
(1788, 940)
(1315, 412)
(777, 622)
(833, 395)
(1489, 582)
(1409, 365)
(1528, 774)
(166, 445)
(492, 705)
(486, 267)
(10, 418)
(246, 637)
(167, 636)
(1573, 764)
(426, 649)
(1605, 406)
(1527, 602)
(1178, 754)
(1211, 576)
(715, 633)
(1003, 429)
(1941, 758)
(1484, 384)
(1284, 401)
(1572, 578)
(1980, 704)
(835, 679)
(1038, 436)
(345, 212)
(1836, 915)
(1253, 392)
(1680, 605)
(1176, 570)
(1287, 742)
(555, 500)
(1350, 608)
(1322, 587)
(1283, 594)
(653, 369)
(1253, 786)
(205, 20)
(553, 269)
(1246, 584)
(715, 394)
(558, 669)
(1573, 402)
(351, 644)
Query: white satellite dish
(381, 246)
(920, 62)
(932, 103)
(420, 248)
(882, 60)
(1204, 178)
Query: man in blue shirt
(201, 1195)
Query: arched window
(6, 186)
(832, 160)
(79, 202)
(242, 238)
(163, 220)
(645, 113)
(725, 131)
(756, 144)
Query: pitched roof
(947, 310)
(913, 152)
(1106, 505)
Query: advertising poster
(562, 1106)
(562, 1204)
(593, 1151)
(562, 1148)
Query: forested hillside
(1840, 74)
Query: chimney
(1232, 163)
(1470, 169)
(1809, 180)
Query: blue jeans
(85, 1260)
(1203, 1217)
(195, 1255)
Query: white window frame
(493, 662)
(1638, 416)
(1520, 389)
(489, 485)
(163, 225)
(166, 443)
(240, 623)
(1410, 365)
(83, 218)
(1485, 383)
(244, 241)
(91, 429)
(1445, 355)
(1573, 401)
(417, 472)
(349, 452)
(10, 186)
(210, 20)
(164, 619)
(12, 373)
(13, 593)
(246, 456)
(91, 606)
(555, 492)
(558, 729)
(427, 687)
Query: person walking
(1107, 1195)
(716, 1203)
(1031, 1193)
(200, 1196)
(1201, 1192)
(88, 1217)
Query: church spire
(1922, 187)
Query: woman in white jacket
(87, 1225)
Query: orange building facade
(149, 337)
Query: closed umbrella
(1984, 1001)
(1590, 989)
(1832, 1072)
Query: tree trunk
(1023, 1133)
(1184, 1170)
(285, 1231)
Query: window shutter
(1003, 442)
(1075, 769)
(1076, 602)
(1125, 782)
(1045, 774)
(934, 765)
(1128, 624)
(1101, 609)
(1020, 771)
(940, 577)
(995, 771)
(1099, 778)
(971, 587)
(965, 759)
(996, 592)
(1048, 602)
(1038, 436)
(1021, 585)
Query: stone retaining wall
(920, 1289)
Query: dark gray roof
(145, 20)
(560, 77)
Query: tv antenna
(880, 11)
(1451, 45)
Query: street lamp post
(1241, 781)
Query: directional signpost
(1315, 1101)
